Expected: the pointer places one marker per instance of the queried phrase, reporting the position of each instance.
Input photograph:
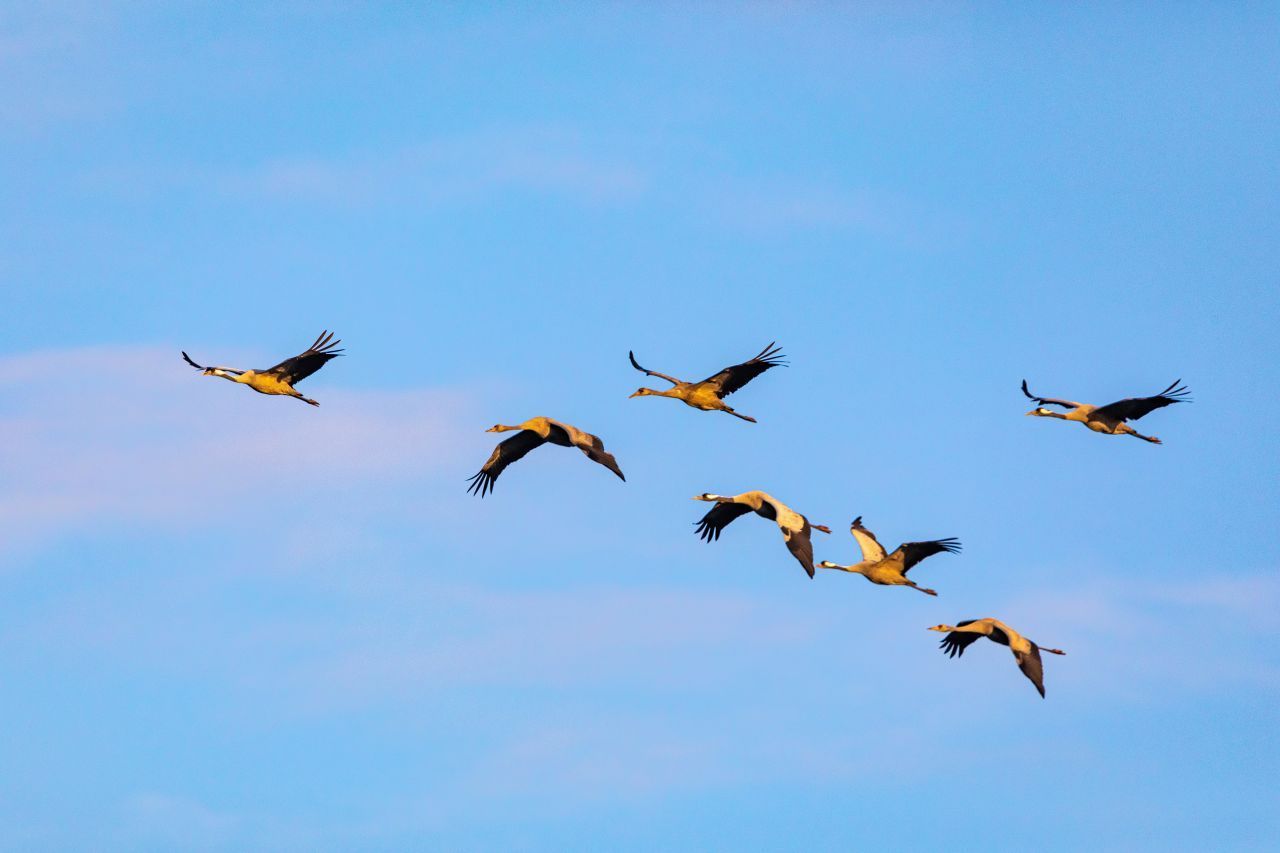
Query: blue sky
(233, 622)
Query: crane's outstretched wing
(1032, 667)
(800, 546)
(188, 360)
(732, 378)
(718, 518)
(1132, 408)
(914, 552)
(631, 355)
(956, 642)
(870, 546)
(503, 455)
(596, 453)
(298, 368)
(1049, 401)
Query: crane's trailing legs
(1133, 432)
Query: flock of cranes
(877, 565)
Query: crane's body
(534, 433)
(279, 380)
(708, 395)
(1025, 652)
(699, 395)
(795, 527)
(891, 569)
(263, 383)
(1109, 419)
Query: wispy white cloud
(44, 51)
(127, 435)
(179, 821)
(1144, 639)
(452, 169)
(558, 639)
(782, 206)
(405, 632)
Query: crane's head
(827, 564)
(222, 373)
(1041, 412)
(643, 392)
(707, 496)
(946, 629)
(500, 428)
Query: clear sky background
(235, 622)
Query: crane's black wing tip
(770, 355)
(952, 646)
(481, 484)
(707, 532)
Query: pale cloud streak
(779, 207)
(1142, 639)
(131, 436)
(404, 631)
(172, 820)
(45, 51)
(452, 169)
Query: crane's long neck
(229, 374)
(505, 428)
